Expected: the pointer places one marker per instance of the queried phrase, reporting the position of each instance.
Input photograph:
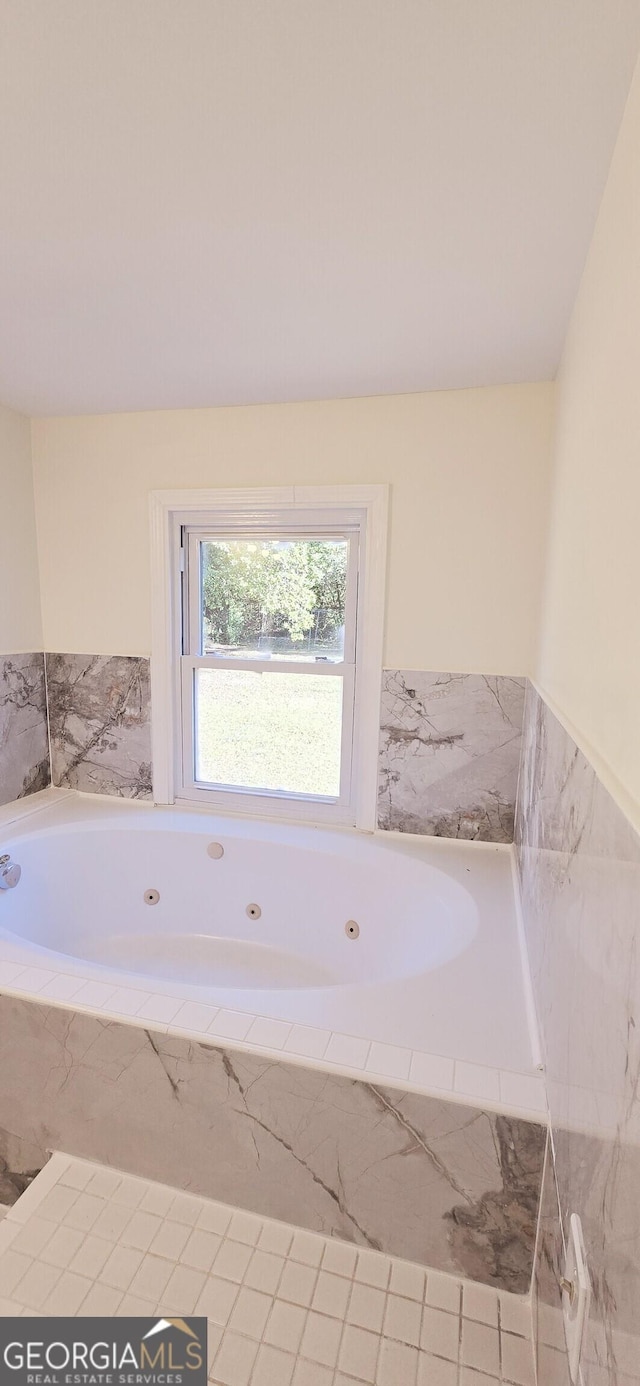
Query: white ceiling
(229, 201)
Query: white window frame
(361, 510)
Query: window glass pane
(274, 598)
(269, 731)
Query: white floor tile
(68, 1294)
(57, 1203)
(14, 1267)
(186, 1208)
(440, 1333)
(366, 1307)
(214, 1217)
(517, 1360)
(90, 1257)
(120, 1267)
(151, 1278)
(321, 1339)
(264, 1271)
(435, 1371)
(297, 1283)
(140, 1231)
(183, 1291)
(232, 1261)
(331, 1294)
(340, 1258)
(398, 1364)
(201, 1249)
(36, 1285)
(234, 1362)
(130, 1191)
(470, 1377)
(170, 1240)
(250, 1313)
(480, 1302)
(158, 1200)
(112, 1222)
(285, 1326)
(286, 1307)
(515, 1315)
(101, 1300)
(311, 1374)
(373, 1269)
(33, 1236)
(358, 1354)
(79, 1173)
(443, 1292)
(85, 1211)
(273, 1367)
(480, 1347)
(63, 1246)
(133, 1307)
(245, 1227)
(402, 1320)
(308, 1248)
(407, 1280)
(103, 1183)
(217, 1299)
(276, 1237)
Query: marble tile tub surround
(24, 739)
(449, 743)
(452, 1187)
(100, 721)
(579, 861)
(285, 1307)
(449, 754)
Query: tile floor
(285, 1307)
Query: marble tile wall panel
(579, 863)
(24, 739)
(100, 720)
(449, 754)
(551, 1357)
(453, 1187)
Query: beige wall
(20, 621)
(590, 654)
(469, 473)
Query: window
(274, 649)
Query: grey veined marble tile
(24, 743)
(449, 754)
(579, 864)
(100, 719)
(451, 1186)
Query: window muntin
(269, 661)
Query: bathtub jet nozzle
(10, 872)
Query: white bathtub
(435, 973)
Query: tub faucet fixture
(10, 872)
